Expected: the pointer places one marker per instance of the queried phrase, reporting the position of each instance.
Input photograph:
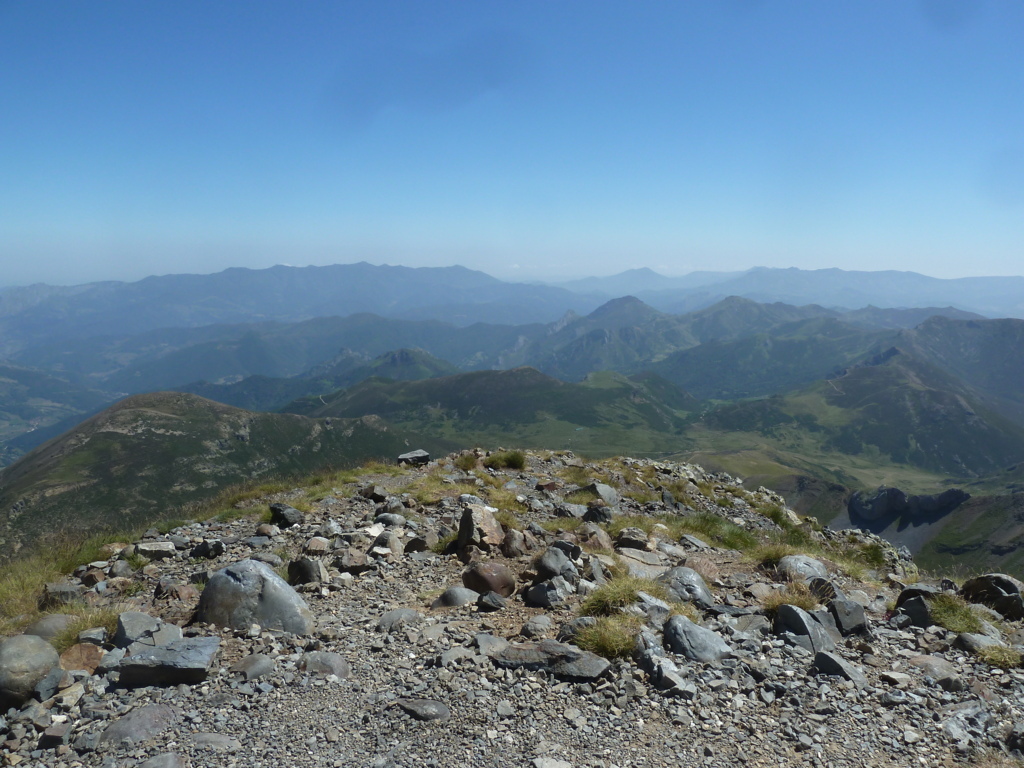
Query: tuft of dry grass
(619, 592)
(86, 617)
(613, 637)
(954, 613)
(795, 593)
(1000, 656)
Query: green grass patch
(1000, 656)
(580, 497)
(954, 613)
(506, 460)
(557, 524)
(795, 593)
(466, 462)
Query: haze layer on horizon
(530, 140)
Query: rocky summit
(514, 609)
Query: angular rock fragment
(181, 661)
(564, 661)
(694, 642)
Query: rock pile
(370, 628)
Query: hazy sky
(530, 139)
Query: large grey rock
(849, 616)
(548, 594)
(801, 624)
(285, 515)
(555, 562)
(182, 661)
(453, 597)
(247, 593)
(564, 661)
(140, 725)
(25, 660)
(687, 586)
(830, 664)
(694, 642)
(416, 458)
(801, 568)
(606, 493)
(156, 550)
(307, 570)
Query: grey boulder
(694, 642)
(564, 661)
(25, 660)
(249, 592)
(801, 568)
(687, 586)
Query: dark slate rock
(824, 589)
(325, 663)
(918, 611)
(830, 664)
(248, 592)
(425, 709)
(390, 519)
(398, 618)
(797, 621)
(47, 687)
(490, 576)
(182, 661)
(564, 661)
(491, 601)
(25, 660)
(555, 562)
(254, 666)
(926, 591)
(849, 616)
(599, 513)
(632, 538)
(999, 592)
(694, 642)
(572, 550)
(548, 594)
(140, 725)
(207, 549)
(416, 458)
(453, 597)
(687, 586)
(285, 516)
(975, 643)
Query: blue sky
(531, 140)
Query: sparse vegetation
(506, 460)
(466, 461)
(613, 637)
(86, 617)
(1000, 656)
(619, 592)
(954, 613)
(795, 593)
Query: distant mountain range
(833, 382)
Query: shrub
(506, 460)
(85, 618)
(613, 637)
(617, 593)
(466, 462)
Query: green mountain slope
(604, 415)
(150, 454)
(262, 393)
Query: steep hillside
(149, 454)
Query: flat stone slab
(564, 661)
(425, 709)
(140, 724)
(181, 661)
